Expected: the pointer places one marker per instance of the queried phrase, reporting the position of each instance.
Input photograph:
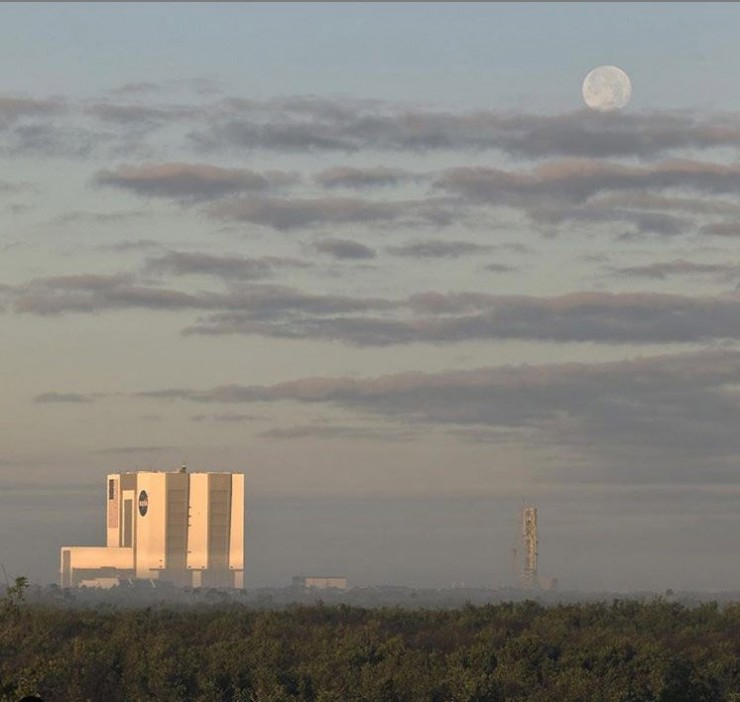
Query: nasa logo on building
(143, 503)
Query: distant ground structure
(174, 527)
(529, 534)
(321, 582)
(526, 571)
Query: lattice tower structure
(529, 534)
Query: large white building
(179, 527)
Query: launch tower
(529, 534)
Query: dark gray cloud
(226, 417)
(82, 217)
(7, 186)
(224, 267)
(346, 177)
(593, 191)
(134, 245)
(98, 293)
(430, 317)
(13, 108)
(17, 208)
(52, 140)
(62, 397)
(345, 249)
(674, 413)
(500, 268)
(651, 201)
(725, 229)
(314, 124)
(338, 431)
(438, 249)
(118, 450)
(636, 223)
(602, 317)
(680, 267)
(575, 181)
(191, 181)
(286, 214)
(138, 115)
(137, 88)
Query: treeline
(620, 652)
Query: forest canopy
(624, 651)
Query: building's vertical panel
(177, 526)
(197, 558)
(127, 540)
(219, 528)
(66, 568)
(151, 524)
(113, 510)
(236, 538)
(128, 512)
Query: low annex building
(321, 582)
(177, 527)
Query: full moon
(606, 88)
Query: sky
(383, 260)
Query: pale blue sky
(455, 53)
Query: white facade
(321, 582)
(179, 527)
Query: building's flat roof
(178, 472)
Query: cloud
(338, 431)
(574, 181)
(664, 269)
(96, 293)
(315, 124)
(592, 191)
(89, 293)
(62, 397)
(225, 267)
(8, 187)
(191, 181)
(51, 139)
(138, 116)
(725, 229)
(438, 249)
(612, 318)
(345, 249)
(137, 88)
(285, 214)
(660, 223)
(346, 177)
(642, 200)
(430, 317)
(134, 245)
(82, 217)
(500, 268)
(296, 124)
(116, 450)
(13, 108)
(277, 311)
(226, 417)
(674, 414)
